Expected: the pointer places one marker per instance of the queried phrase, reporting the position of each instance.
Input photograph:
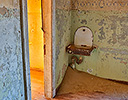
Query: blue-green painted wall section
(11, 66)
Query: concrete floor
(67, 91)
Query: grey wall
(11, 68)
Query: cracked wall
(11, 68)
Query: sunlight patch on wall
(35, 34)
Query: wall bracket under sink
(83, 42)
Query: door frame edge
(25, 48)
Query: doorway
(46, 5)
(36, 52)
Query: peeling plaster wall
(110, 60)
(63, 30)
(11, 68)
(109, 22)
(108, 19)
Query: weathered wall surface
(11, 68)
(63, 30)
(108, 19)
(110, 60)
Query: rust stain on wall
(3, 10)
(124, 62)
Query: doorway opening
(36, 52)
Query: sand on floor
(76, 82)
